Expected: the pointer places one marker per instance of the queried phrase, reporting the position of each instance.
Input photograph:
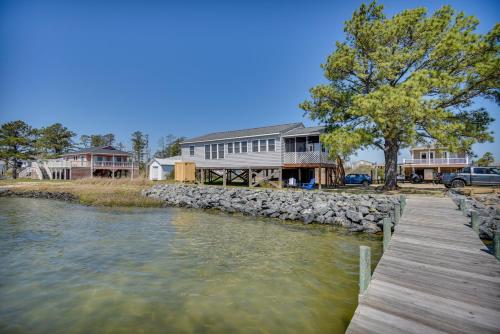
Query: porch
(305, 151)
(436, 161)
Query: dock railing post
(474, 221)
(497, 242)
(387, 233)
(397, 214)
(461, 204)
(365, 269)
(402, 203)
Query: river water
(67, 268)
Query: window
(221, 151)
(243, 147)
(237, 147)
(313, 144)
(214, 151)
(230, 148)
(271, 145)
(207, 152)
(300, 144)
(255, 146)
(191, 150)
(263, 146)
(481, 170)
(289, 144)
(465, 170)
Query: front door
(154, 173)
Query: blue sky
(182, 68)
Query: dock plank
(435, 277)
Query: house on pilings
(103, 161)
(270, 154)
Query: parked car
(363, 179)
(472, 176)
(415, 178)
(401, 178)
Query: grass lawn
(96, 191)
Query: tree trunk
(391, 150)
(339, 172)
(14, 169)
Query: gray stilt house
(270, 154)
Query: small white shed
(3, 169)
(162, 168)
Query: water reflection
(73, 269)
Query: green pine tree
(405, 80)
(17, 142)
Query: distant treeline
(20, 141)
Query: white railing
(26, 172)
(113, 164)
(312, 157)
(437, 161)
(57, 164)
(80, 163)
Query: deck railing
(79, 163)
(114, 164)
(436, 161)
(312, 157)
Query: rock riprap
(486, 205)
(356, 212)
(61, 196)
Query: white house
(161, 169)
(270, 153)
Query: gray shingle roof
(99, 150)
(265, 130)
(305, 131)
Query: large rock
(355, 212)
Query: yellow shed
(185, 171)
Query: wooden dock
(435, 277)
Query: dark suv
(472, 176)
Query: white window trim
(258, 145)
(264, 140)
(212, 152)
(241, 147)
(223, 151)
(268, 145)
(191, 146)
(209, 152)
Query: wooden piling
(387, 232)
(402, 203)
(365, 269)
(461, 204)
(474, 221)
(397, 215)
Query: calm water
(66, 268)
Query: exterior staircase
(26, 172)
(40, 172)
